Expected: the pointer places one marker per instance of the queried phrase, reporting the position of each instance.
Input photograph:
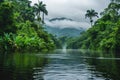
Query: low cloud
(68, 24)
(74, 9)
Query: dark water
(60, 65)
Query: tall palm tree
(44, 12)
(90, 14)
(38, 8)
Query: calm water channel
(60, 65)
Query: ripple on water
(67, 67)
(65, 72)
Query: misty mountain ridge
(60, 18)
(68, 32)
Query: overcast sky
(73, 9)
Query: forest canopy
(21, 27)
(104, 34)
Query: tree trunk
(43, 18)
(91, 21)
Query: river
(60, 65)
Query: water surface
(60, 65)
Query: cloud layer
(68, 24)
(74, 9)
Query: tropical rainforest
(22, 27)
(24, 34)
(104, 34)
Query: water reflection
(107, 64)
(64, 48)
(19, 66)
(57, 65)
(69, 66)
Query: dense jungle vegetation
(21, 27)
(104, 33)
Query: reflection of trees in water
(20, 66)
(105, 64)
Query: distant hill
(70, 32)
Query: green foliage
(19, 32)
(7, 18)
(57, 42)
(7, 42)
(30, 39)
(104, 34)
